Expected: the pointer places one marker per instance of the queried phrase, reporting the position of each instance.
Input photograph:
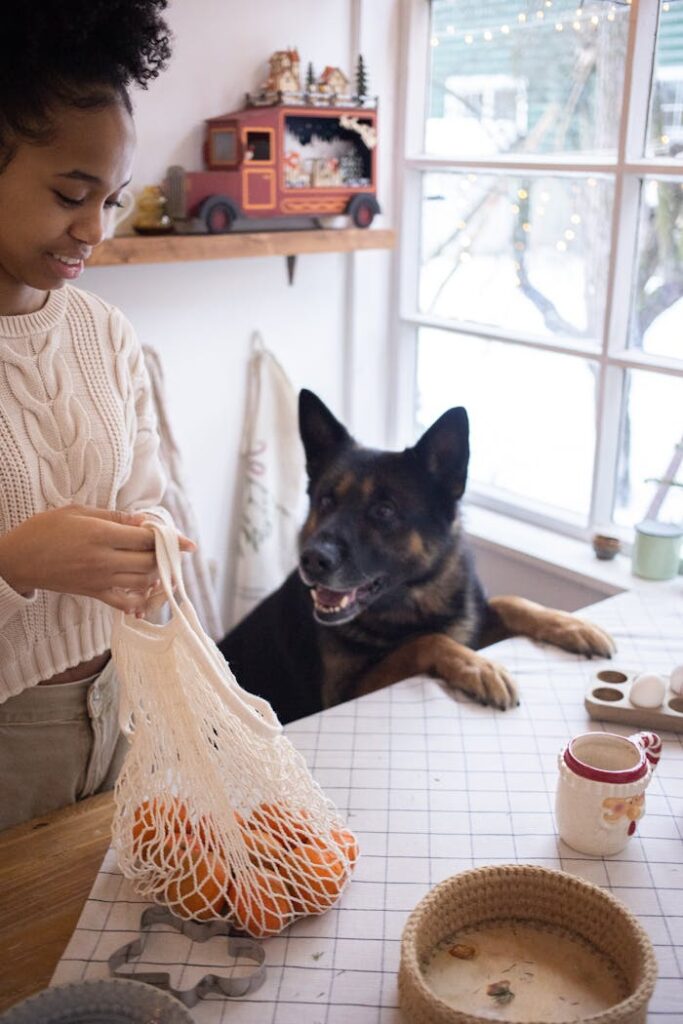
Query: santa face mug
(601, 789)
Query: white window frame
(626, 170)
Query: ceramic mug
(601, 789)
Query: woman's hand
(93, 552)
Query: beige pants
(58, 744)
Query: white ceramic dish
(111, 1001)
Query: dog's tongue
(333, 598)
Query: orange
(314, 877)
(198, 889)
(347, 843)
(144, 827)
(264, 849)
(289, 828)
(260, 903)
(171, 814)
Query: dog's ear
(322, 435)
(444, 451)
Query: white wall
(329, 330)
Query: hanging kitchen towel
(198, 582)
(270, 491)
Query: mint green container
(656, 550)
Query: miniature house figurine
(286, 154)
(284, 72)
(333, 82)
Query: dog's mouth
(333, 607)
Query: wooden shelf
(126, 250)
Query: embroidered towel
(270, 491)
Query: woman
(79, 471)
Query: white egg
(676, 680)
(647, 691)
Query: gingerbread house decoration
(284, 72)
(333, 82)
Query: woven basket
(524, 893)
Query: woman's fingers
(141, 581)
(128, 601)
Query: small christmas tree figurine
(361, 79)
(310, 79)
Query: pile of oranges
(285, 869)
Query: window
(544, 184)
(223, 146)
(258, 145)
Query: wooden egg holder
(607, 699)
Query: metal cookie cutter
(197, 932)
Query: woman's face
(55, 202)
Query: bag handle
(243, 703)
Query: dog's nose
(320, 559)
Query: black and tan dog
(386, 587)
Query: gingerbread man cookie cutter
(237, 947)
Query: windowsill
(564, 556)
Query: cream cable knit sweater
(77, 426)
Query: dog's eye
(325, 503)
(383, 511)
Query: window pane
(531, 413)
(653, 426)
(665, 133)
(526, 254)
(657, 313)
(525, 77)
(224, 145)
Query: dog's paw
(578, 636)
(487, 682)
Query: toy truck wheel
(217, 215)
(362, 211)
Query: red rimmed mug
(601, 789)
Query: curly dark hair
(82, 53)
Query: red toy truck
(279, 161)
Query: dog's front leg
(526, 618)
(435, 654)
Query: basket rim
(410, 967)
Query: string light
(578, 20)
(542, 201)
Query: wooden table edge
(47, 869)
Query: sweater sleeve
(11, 602)
(145, 484)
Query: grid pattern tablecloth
(433, 785)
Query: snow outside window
(542, 251)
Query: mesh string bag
(217, 815)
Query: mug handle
(650, 743)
